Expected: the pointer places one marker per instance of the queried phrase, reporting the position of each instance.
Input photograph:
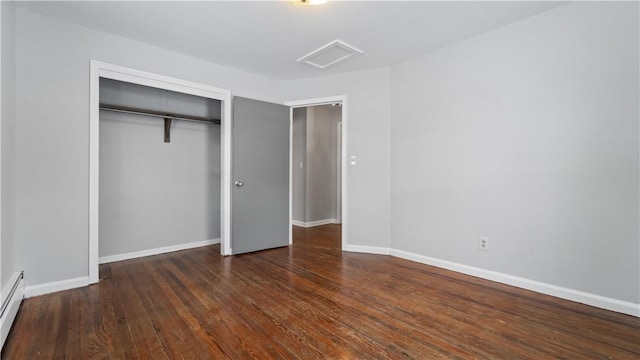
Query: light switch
(353, 160)
(300, 164)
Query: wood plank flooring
(308, 301)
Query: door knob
(238, 183)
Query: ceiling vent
(331, 54)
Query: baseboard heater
(12, 295)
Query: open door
(260, 175)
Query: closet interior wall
(154, 194)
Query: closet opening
(160, 171)
(148, 196)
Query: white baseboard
(548, 289)
(603, 302)
(314, 223)
(10, 312)
(298, 223)
(55, 286)
(366, 249)
(47, 288)
(156, 251)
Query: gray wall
(155, 194)
(322, 153)
(368, 137)
(527, 135)
(52, 163)
(8, 124)
(299, 160)
(52, 143)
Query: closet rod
(158, 114)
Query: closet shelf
(167, 116)
(158, 114)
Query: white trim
(321, 222)
(314, 223)
(291, 175)
(343, 172)
(366, 249)
(342, 99)
(55, 286)
(156, 251)
(328, 100)
(582, 297)
(299, 223)
(11, 311)
(540, 287)
(6, 290)
(94, 168)
(115, 72)
(1, 120)
(339, 173)
(225, 181)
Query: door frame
(116, 72)
(342, 99)
(339, 175)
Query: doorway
(318, 154)
(316, 165)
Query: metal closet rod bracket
(167, 130)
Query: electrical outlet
(483, 243)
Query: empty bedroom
(320, 179)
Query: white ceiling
(267, 37)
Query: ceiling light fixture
(313, 2)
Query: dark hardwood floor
(308, 301)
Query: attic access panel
(331, 54)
